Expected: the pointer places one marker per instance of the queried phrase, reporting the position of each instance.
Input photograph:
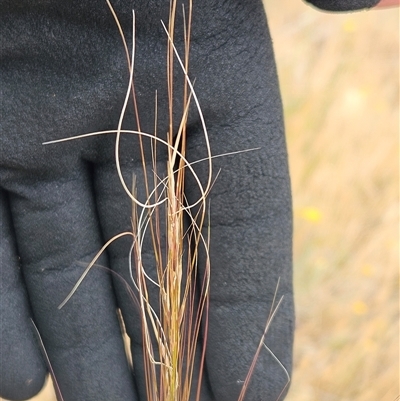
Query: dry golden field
(340, 83)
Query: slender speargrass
(172, 323)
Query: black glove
(343, 5)
(64, 73)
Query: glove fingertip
(22, 382)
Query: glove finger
(57, 234)
(22, 369)
(250, 253)
(115, 210)
(251, 227)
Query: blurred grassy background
(340, 83)
(339, 77)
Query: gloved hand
(64, 73)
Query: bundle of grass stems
(170, 331)
(176, 328)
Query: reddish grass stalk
(170, 325)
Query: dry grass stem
(170, 332)
(172, 323)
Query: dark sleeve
(343, 5)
